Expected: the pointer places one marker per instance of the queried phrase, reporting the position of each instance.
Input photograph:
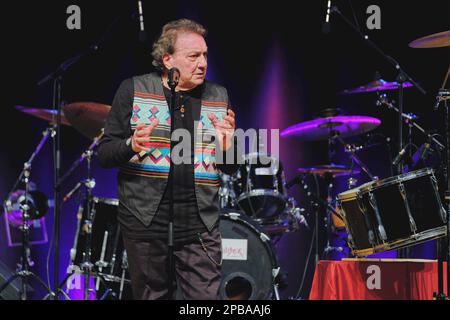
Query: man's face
(190, 57)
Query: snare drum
(392, 213)
(261, 186)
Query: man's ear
(167, 60)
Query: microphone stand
(57, 77)
(401, 78)
(172, 82)
(408, 118)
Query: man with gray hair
(138, 140)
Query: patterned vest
(151, 171)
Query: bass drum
(249, 263)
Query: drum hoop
(399, 179)
(261, 192)
(347, 196)
(413, 239)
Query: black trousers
(197, 267)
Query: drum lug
(371, 238)
(264, 237)
(363, 209)
(350, 240)
(436, 194)
(412, 223)
(382, 232)
(380, 227)
(275, 272)
(234, 215)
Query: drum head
(248, 261)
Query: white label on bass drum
(234, 249)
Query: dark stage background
(278, 66)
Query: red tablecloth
(375, 280)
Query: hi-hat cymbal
(45, 114)
(323, 128)
(87, 117)
(377, 85)
(436, 40)
(332, 169)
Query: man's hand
(141, 137)
(224, 129)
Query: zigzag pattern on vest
(156, 163)
(147, 107)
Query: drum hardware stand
(351, 150)
(333, 137)
(444, 244)
(401, 78)
(328, 248)
(410, 119)
(23, 268)
(124, 268)
(89, 184)
(316, 202)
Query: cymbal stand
(328, 248)
(24, 267)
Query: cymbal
(331, 169)
(377, 85)
(436, 40)
(87, 117)
(323, 128)
(44, 114)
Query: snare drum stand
(87, 265)
(87, 224)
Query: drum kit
(379, 215)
